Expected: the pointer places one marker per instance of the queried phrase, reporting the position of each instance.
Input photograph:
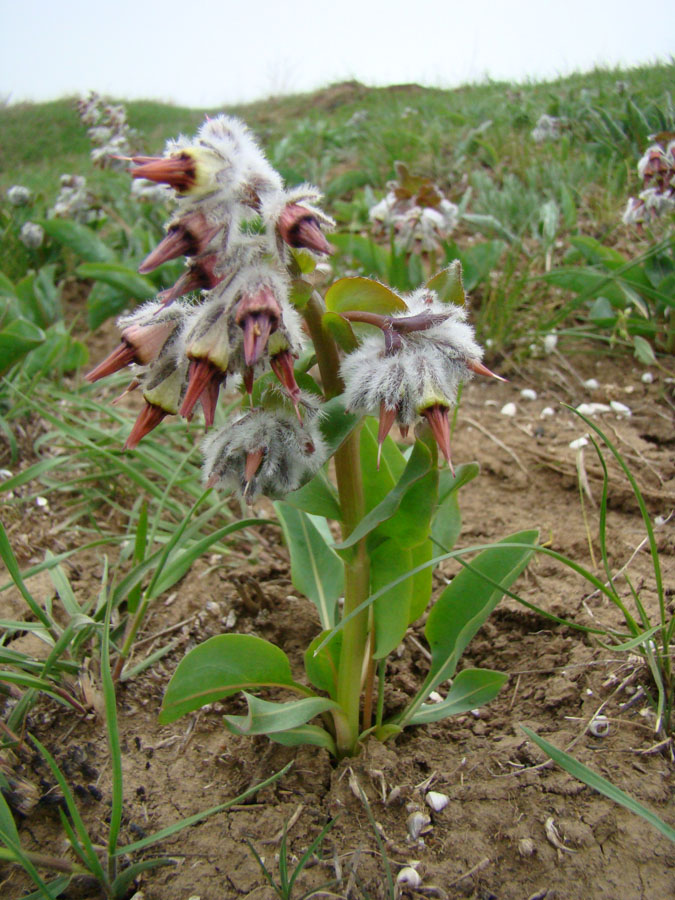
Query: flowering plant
(251, 245)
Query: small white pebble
(231, 620)
(592, 384)
(5, 473)
(620, 408)
(434, 697)
(599, 727)
(476, 713)
(660, 520)
(526, 847)
(409, 877)
(528, 394)
(211, 606)
(592, 409)
(669, 380)
(579, 443)
(437, 801)
(42, 502)
(417, 823)
(509, 409)
(547, 411)
(550, 342)
(647, 378)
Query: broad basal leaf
(220, 667)
(471, 688)
(265, 717)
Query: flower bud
(299, 227)
(189, 236)
(258, 315)
(189, 171)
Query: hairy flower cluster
(18, 195)
(413, 370)
(32, 235)
(657, 171)
(235, 222)
(547, 129)
(74, 201)
(264, 452)
(109, 130)
(417, 212)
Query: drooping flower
(414, 369)
(264, 452)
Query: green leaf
(363, 294)
(63, 588)
(174, 563)
(316, 570)
(448, 284)
(265, 717)
(391, 611)
(468, 600)
(378, 482)
(470, 689)
(601, 313)
(588, 283)
(386, 731)
(220, 667)
(600, 784)
(104, 302)
(595, 252)
(322, 668)
(119, 277)
(120, 886)
(447, 520)
(341, 331)
(421, 582)
(7, 824)
(300, 293)
(643, 351)
(306, 734)
(16, 340)
(408, 526)
(318, 497)
(336, 423)
(78, 238)
(6, 286)
(12, 566)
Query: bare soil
(514, 828)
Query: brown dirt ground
(490, 841)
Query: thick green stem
(357, 569)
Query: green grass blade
(91, 857)
(13, 568)
(120, 885)
(199, 817)
(600, 784)
(306, 856)
(113, 739)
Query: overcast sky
(204, 54)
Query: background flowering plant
(240, 315)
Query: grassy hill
(475, 143)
